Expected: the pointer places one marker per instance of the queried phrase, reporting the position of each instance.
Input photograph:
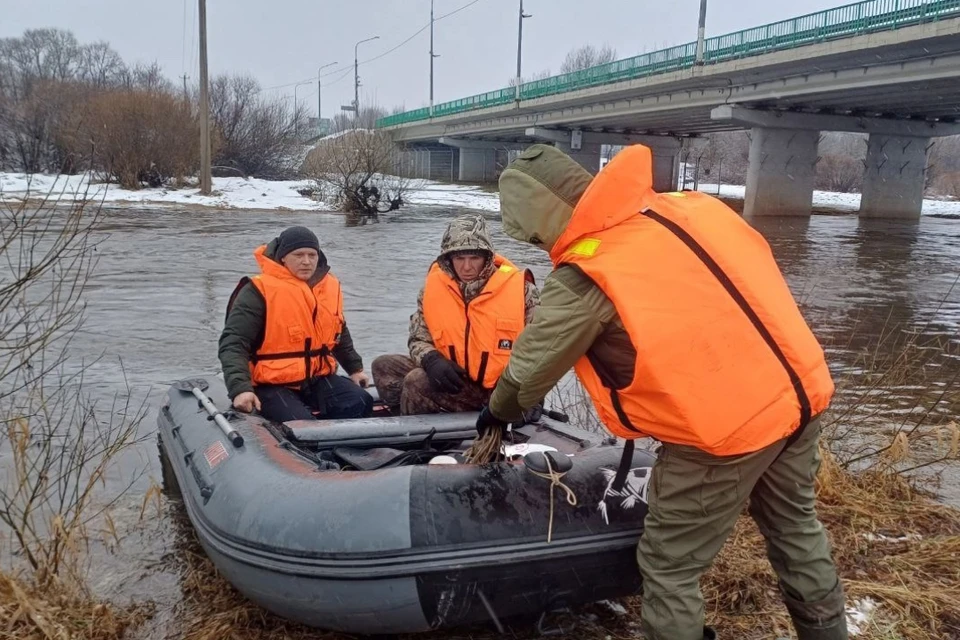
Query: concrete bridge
(887, 68)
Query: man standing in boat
(470, 311)
(285, 333)
(680, 326)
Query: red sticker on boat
(215, 454)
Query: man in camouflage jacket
(428, 381)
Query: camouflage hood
(467, 233)
(464, 233)
(538, 193)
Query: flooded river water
(164, 276)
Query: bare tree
(57, 443)
(587, 56)
(353, 170)
(256, 136)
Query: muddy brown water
(164, 276)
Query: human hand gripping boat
(347, 525)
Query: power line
(382, 55)
(183, 40)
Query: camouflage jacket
(467, 232)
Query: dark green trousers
(694, 501)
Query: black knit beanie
(296, 238)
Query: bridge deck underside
(917, 79)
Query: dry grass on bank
(59, 613)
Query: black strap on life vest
(307, 353)
(724, 280)
(627, 458)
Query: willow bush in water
(57, 443)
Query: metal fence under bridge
(443, 163)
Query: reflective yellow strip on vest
(506, 268)
(586, 247)
(675, 194)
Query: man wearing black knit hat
(285, 334)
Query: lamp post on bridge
(520, 46)
(432, 56)
(701, 29)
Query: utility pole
(186, 95)
(206, 182)
(701, 29)
(520, 46)
(356, 79)
(432, 56)
(319, 111)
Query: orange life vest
(725, 361)
(478, 335)
(302, 326)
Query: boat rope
(556, 480)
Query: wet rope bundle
(556, 480)
(486, 448)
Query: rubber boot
(821, 620)
(709, 634)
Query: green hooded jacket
(538, 193)
(243, 331)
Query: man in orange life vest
(285, 333)
(470, 311)
(680, 326)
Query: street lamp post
(701, 29)
(520, 46)
(296, 106)
(356, 76)
(319, 104)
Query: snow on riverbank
(253, 193)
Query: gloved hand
(533, 414)
(445, 375)
(487, 421)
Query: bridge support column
(781, 173)
(666, 163)
(894, 177)
(478, 165)
(587, 156)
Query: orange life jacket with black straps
(725, 361)
(302, 326)
(478, 335)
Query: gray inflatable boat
(352, 525)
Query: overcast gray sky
(283, 41)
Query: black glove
(444, 375)
(487, 421)
(533, 414)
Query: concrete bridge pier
(894, 176)
(665, 149)
(588, 155)
(478, 158)
(894, 170)
(783, 165)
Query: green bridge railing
(845, 21)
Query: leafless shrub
(56, 442)
(353, 170)
(256, 136)
(838, 172)
(137, 136)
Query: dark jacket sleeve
(346, 354)
(241, 332)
